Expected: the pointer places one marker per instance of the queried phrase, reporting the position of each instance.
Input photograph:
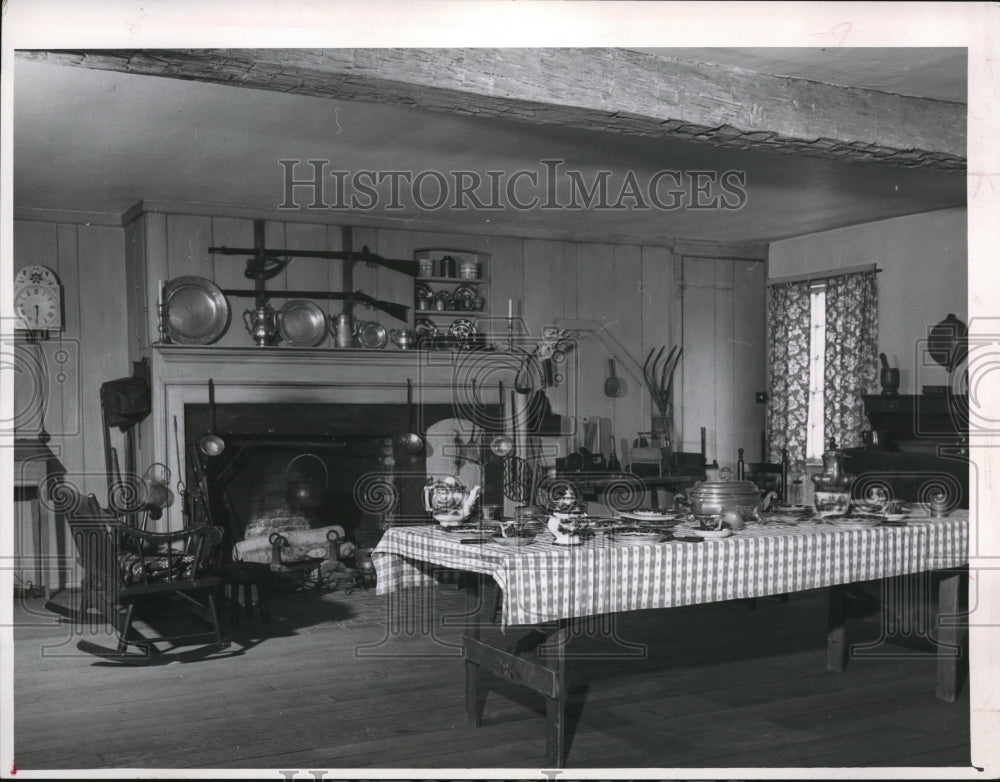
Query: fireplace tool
(210, 443)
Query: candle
(162, 288)
(510, 309)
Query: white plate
(514, 542)
(708, 534)
(896, 516)
(634, 516)
(637, 537)
(852, 523)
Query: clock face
(37, 299)
(37, 308)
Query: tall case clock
(37, 301)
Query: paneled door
(725, 356)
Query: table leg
(836, 634)
(506, 656)
(949, 646)
(555, 705)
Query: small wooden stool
(247, 575)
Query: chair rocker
(127, 568)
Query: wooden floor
(333, 682)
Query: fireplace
(275, 403)
(348, 455)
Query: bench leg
(836, 633)
(474, 701)
(949, 646)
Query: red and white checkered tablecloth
(543, 582)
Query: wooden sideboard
(923, 446)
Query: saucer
(705, 534)
(514, 542)
(848, 522)
(637, 537)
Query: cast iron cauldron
(303, 494)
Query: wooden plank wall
(89, 261)
(723, 315)
(631, 289)
(626, 287)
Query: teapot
(404, 338)
(448, 501)
(261, 324)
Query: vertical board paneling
(698, 403)
(749, 279)
(274, 238)
(394, 286)
(307, 274)
(542, 301)
(102, 266)
(594, 301)
(724, 378)
(135, 284)
(506, 285)
(157, 266)
(188, 240)
(542, 294)
(229, 273)
(365, 277)
(66, 353)
(628, 330)
(335, 269)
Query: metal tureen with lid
(714, 498)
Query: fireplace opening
(344, 456)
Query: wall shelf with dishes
(451, 294)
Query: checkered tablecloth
(543, 582)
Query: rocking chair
(126, 568)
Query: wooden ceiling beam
(608, 90)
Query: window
(815, 427)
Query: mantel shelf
(278, 354)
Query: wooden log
(604, 89)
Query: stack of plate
(791, 512)
(636, 535)
(853, 522)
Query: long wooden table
(547, 587)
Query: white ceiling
(100, 141)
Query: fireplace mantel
(180, 376)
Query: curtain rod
(817, 276)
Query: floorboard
(337, 680)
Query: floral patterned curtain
(788, 366)
(851, 355)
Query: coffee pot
(261, 324)
(448, 501)
(343, 330)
